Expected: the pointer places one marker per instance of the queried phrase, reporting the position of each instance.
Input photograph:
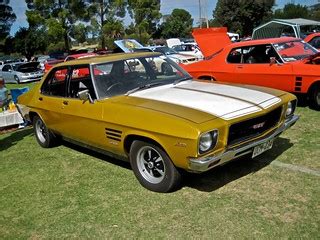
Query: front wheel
(314, 97)
(153, 168)
(17, 79)
(43, 135)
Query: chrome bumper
(203, 164)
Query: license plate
(262, 148)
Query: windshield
(165, 50)
(130, 75)
(16, 66)
(294, 50)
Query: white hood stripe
(222, 95)
(225, 101)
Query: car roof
(108, 58)
(263, 41)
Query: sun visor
(211, 40)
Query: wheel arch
(315, 83)
(32, 115)
(207, 78)
(129, 139)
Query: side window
(235, 56)
(80, 80)
(6, 68)
(315, 42)
(258, 54)
(55, 83)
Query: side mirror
(84, 95)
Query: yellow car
(162, 122)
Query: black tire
(314, 97)
(153, 167)
(17, 79)
(44, 136)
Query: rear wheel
(44, 136)
(314, 97)
(153, 168)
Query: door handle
(40, 98)
(65, 102)
(240, 66)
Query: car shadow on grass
(221, 176)
(14, 137)
(95, 154)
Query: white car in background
(20, 72)
(190, 49)
(131, 45)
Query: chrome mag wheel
(150, 164)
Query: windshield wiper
(149, 85)
(181, 80)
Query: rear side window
(80, 80)
(55, 83)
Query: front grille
(251, 128)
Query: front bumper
(205, 163)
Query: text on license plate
(262, 148)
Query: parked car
(313, 39)
(131, 45)
(20, 72)
(50, 63)
(189, 48)
(160, 123)
(285, 63)
(42, 59)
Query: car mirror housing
(84, 95)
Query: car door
(51, 99)
(255, 68)
(7, 74)
(82, 119)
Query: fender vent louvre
(113, 134)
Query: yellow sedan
(162, 122)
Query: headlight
(290, 108)
(208, 141)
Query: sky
(192, 6)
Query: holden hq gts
(162, 122)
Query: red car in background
(313, 39)
(49, 64)
(285, 63)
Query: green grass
(71, 192)
(21, 85)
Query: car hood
(211, 40)
(209, 99)
(28, 67)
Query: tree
(243, 15)
(292, 11)
(79, 32)
(105, 11)
(146, 15)
(59, 16)
(30, 41)
(113, 29)
(178, 24)
(7, 17)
